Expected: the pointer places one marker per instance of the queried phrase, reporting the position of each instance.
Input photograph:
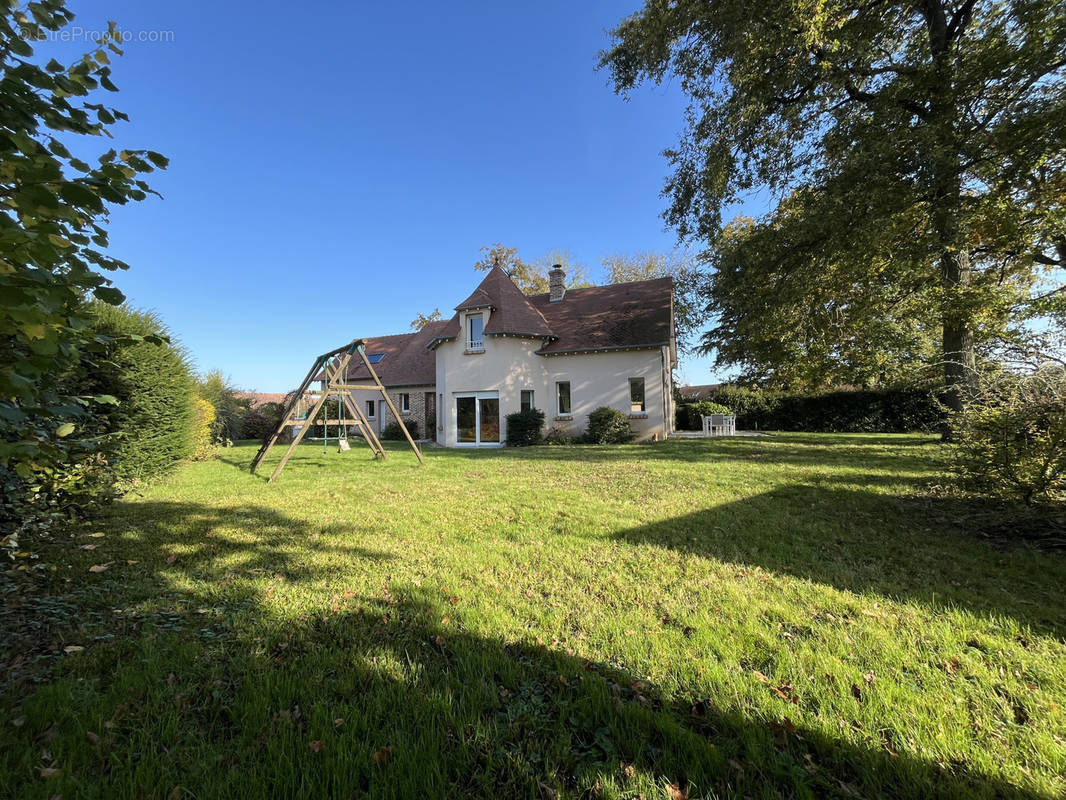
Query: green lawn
(790, 616)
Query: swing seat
(343, 446)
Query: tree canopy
(53, 256)
(914, 153)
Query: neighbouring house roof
(405, 361)
(259, 398)
(616, 317)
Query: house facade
(566, 352)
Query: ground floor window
(371, 408)
(527, 400)
(562, 389)
(405, 403)
(636, 396)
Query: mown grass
(790, 616)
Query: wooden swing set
(331, 370)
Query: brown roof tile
(636, 314)
(406, 361)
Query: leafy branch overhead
(915, 154)
(53, 240)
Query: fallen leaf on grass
(131, 563)
(676, 792)
(445, 620)
(92, 738)
(18, 722)
(73, 648)
(101, 567)
(50, 772)
(316, 745)
(88, 546)
(382, 755)
(171, 558)
(338, 722)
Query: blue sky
(335, 168)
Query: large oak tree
(915, 151)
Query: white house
(566, 352)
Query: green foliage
(525, 428)
(150, 376)
(203, 426)
(689, 416)
(608, 426)
(394, 432)
(843, 411)
(1011, 442)
(261, 421)
(916, 152)
(53, 244)
(229, 409)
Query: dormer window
(475, 329)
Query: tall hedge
(846, 411)
(153, 382)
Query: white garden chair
(719, 424)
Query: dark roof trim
(434, 342)
(523, 334)
(600, 349)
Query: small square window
(405, 402)
(563, 390)
(371, 408)
(527, 400)
(636, 396)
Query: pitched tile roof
(622, 315)
(406, 360)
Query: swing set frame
(331, 370)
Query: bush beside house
(525, 428)
(608, 426)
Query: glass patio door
(477, 419)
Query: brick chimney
(556, 283)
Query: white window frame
(405, 402)
(471, 342)
(371, 409)
(643, 396)
(559, 399)
(521, 399)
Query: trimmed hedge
(154, 419)
(844, 411)
(525, 428)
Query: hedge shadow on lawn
(469, 715)
(919, 548)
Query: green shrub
(215, 388)
(525, 428)
(898, 410)
(689, 416)
(261, 421)
(608, 426)
(394, 432)
(1011, 442)
(153, 384)
(203, 427)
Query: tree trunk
(946, 190)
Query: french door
(477, 419)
